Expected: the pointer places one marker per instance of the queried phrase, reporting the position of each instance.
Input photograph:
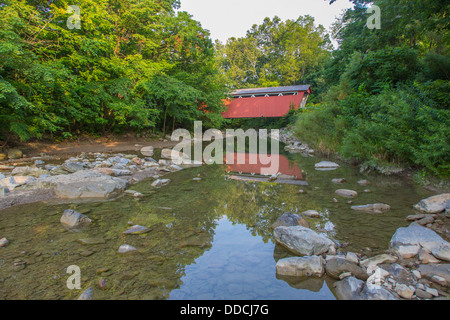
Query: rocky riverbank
(415, 266)
(100, 176)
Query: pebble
(3, 242)
(126, 248)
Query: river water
(210, 238)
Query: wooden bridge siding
(258, 107)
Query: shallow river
(209, 239)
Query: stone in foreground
(301, 266)
(435, 204)
(303, 241)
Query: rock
(15, 154)
(137, 230)
(13, 182)
(426, 257)
(404, 291)
(419, 237)
(425, 221)
(398, 273)
(372, 208)
(423, 294)
(160, 183)
(3, 156)
(301, 266)
(347, 193)
(416, 274)
(84, 184)
(74, 219)
(311, 213)
(147, 151)
(354, 289)
(91, 241)
(336, 266)
(407, 252)
(86, 295)
(433, 292)
(415, 217)
(326, 165)
(442, 252)
(72, 167)
(435, 204)
(126, 248)
(339, 180)
(121, 172)
(290, 220)
(379, 259)
(377, 278)
(102, 285)
(363, 182)
(303, 241)
(430, 270)
(173, 155)
(352, 257)
(349, 289)
(439, 280)
(3, 242)
(28, 171)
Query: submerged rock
(86, 295)
(301, 266)
(160, 183)
(372, 208)
(290, 220)
(311, 213)
(147, 151)
(347, 193)
(303, 241)
(137, 230)
(326, 165)
(435, 204)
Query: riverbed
(210, 236)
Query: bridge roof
(271, 90)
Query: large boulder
(435, 204)
(83, 184)
(290, 220)
(301, 266)
(303, 241)
(415, 237)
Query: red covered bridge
(272, 102)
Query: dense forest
(380, 96)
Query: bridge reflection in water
(253, 169)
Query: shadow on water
(209, 238)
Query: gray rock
(435, 204)
(3, 191)
(422, 294)
(442, 252)
(311, 213)
(430, 270)
(13, 182)
(379, 259)
(339, 180)
(416, 237)
(303, 241)
(74, 219)
(290, 220)
(375, 292)
(372, 208)
(404, 291)
(336, 266)
(301, 266)
(347, 193)
(84, 184)
(126, 248)
(137, 230)
(326, 165)
(363, 182)
(72, 167)
(28, 171)
(349, 289)
(160, 183)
